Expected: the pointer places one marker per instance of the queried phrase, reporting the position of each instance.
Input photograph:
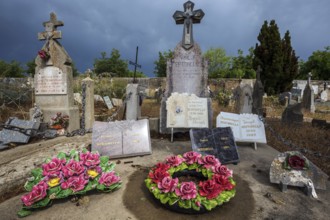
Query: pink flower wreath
(219, 186)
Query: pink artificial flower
(75, 183)
(158, 175)
(38, 193)
(209, 189)
(162, 166)
(53, 168)
(191, 157)
(174, 161)
(90, 159)
(208, 161)
(109, 178)
(43, 54)
(222, 170)
(73, 168)
(198, 203)
(186, 191)
(223, 182)
(167, 184)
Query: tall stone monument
(308, 96)
(53, 76)
(187, 71)
(257, 95)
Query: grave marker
(108, 102)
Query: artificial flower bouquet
(215, 182)
(295, 161)
(68, 174)
(59, 121)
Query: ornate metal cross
(50, 29)
(188, 18)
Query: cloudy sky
(93, 26)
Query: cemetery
(94, 147)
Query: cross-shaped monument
(136, 63)
(51, 29)
(188, 17)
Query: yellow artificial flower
(92, 173)
(54, 182)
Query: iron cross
(188, 18)
(135, 64)
(50, 29)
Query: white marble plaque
(108, 102)
(186, 111)
(246, 127)
(50, 80)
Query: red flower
(174, 161)
(186, 191)
(191, 157)
(296, 162)
(223, 181)
(43, 54)
(209, 189)
(222, 170)
(209, 161)
(162, 166)
(158, 174)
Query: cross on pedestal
(309, 78)
(135, 64)
(50, 29)
(188, 17)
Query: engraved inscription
(50, 80)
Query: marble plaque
(108, 102)
(50, 80)
(298, 178)
(186, 111)
(218, 142)
(246, 127)
(14, 136)
(121, 138)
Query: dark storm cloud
(100, 25)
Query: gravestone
(257, 95)
(187, 70)
(300, 178)
(108, 102)
(121, 138)
(87, 103)
(187, 111)
(18, 131)
(293, 114)
(324, 96)
(117, 102)
(53, 77)
(308, 97)
(243, 99)
(134, 102)
(219, 142)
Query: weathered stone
(88, 86)
(308, 97)
(108, 102)
(243, 98)
(134, 102)
(257, 95)
(293, 114)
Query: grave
(133, 101)
(243, 98)
(122, 138)
(187, 71)
(293, 114)
(53, 76)
(219, 142)
(257, 95)
(279, 174)
(108, 102)
(308, 97)
(87, 118)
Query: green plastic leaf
(23, 213)
(104, 159)
(164, 198)
(195, 206)
(100, 187)
(210, 204)
(37, 172)
(61, 155)
(185, 204)
(64, 193)
(53, 190)
(172, 201)
(84, 150)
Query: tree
(113, 65)
(12, 69)
(276, 58)
(160, 64)
(318, 63)
(219, 63)
(31, 66)
(242, 66)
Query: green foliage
(113, 65)
(31, 67)
(160, 64)
(219, 63)
(223, 97)
(242, 66)
(276, 58)
(318, 63)
(12, 69)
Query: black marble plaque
(219, 142)
(13, 135)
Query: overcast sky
(93, 26)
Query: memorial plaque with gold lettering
(218, 142)
(121, 138)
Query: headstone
(134, 102)
(186, 111)
(279, 175)
(108, 102)
(117, 102)
(98, 98)
(293, 114)
(16, 132)
(324, 96)
(257, 95)
(187, 71)
(121, 138)
(243, 99)
(308, 97)
(296, 93)
(88, 103)
(246, 127)
(53, 76)
(285, 98)
(219, 142)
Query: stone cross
(259, 69)
(188, 18)
(50, 29)
(309, 78)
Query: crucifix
(51, 29)
(259, 70)
(188, 17)
(135, 64)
